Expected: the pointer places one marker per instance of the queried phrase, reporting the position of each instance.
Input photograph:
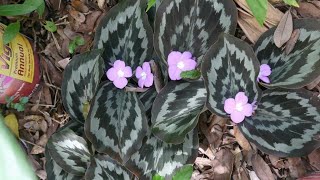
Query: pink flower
(238, 108)
(119, 73)
(144, 75)
(179, 62)
(265, 71)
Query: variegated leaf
(230, 66)
(158, 157)
(80, 80)
(147, 98)
(192, 25)
(125, 33)
(298, 68)
(104, 167)
(176, 109)
(116, 122)
(286, 123)
(69, 151)
(55, 172)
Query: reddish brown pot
(19, 68)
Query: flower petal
(138, 72)
(241, 98)
(118, 64)
(237, 117)
(141, 83)
(149, 80)
(229, 105)
(265, 70)
(127, 71)
(174, 57)
(265, 79)
(186, 55)
(112, 74)
(247, 110)
(172, 72)
(146, 67)
(189, 64)
(120, 82)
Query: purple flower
(265, 71)
(238, 108)
(119, 73)
(179, 62)
(144, 75)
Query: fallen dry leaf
(292, 41)
(101, 3)
(284, 30)
(296, 167)
(243, 142)
(78, 16)
(79, 6)
(222, 165)
(276, 161)
(308, 10)
(314, 159)
(250, 26)
(261, 168)
(64, 62)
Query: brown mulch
(224, 153)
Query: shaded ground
(223, 153)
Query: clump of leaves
(128, 129)
(19, 106)
(77, 41)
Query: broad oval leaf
(147, 98)
(116, 122)
(298, 68)
(125, 33)
(158, 157)
(81, 78)
(192, 25)
(55, 172)
(69, 151)
(230, 66)
(286, 123)
(176, 110)
(104, 167)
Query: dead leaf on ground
(78, 16)
(261, 168)
(308, 10)
(64, 62)
(296, 167)
(79, 6)
(276, 162)
(243, 142)
(314, 159)
(101, 3)
(222, 165)
(284, 30)
(292, 41)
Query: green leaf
(176, 110)
(125, 33)
(41, 8)
(150, 4)
(230, 66)
(116, 123)
(286, 123)
(184, 173)
(39, 4)
(50, 26)
(24, 100)
(298, 68)
(188, 25)
(104, 167)
(16, 9)
(77, 41)
(193, 74)
(14, 162)
(158, 157)
(291, 3)
(69, 151)
(80, 80)
(157, 177)
(11, 32)
(259, 9)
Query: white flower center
(239, 107)
(143, 75)
(180, 65)
(120, 73)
